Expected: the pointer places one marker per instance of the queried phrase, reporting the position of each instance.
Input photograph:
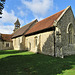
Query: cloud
(38, 7)
(6, 29)
(8, 18)
(40, 18)
(21, 12)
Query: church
(54, 35)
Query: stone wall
(65, 20)
(3, 45)
(19, 43)
(45, 43)
(0, 45)
(16, 44)
(69, 50)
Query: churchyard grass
(14, 62)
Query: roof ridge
(51, 15)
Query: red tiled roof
(6, 37)
(45, 23)
(23, 29)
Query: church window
(7, 45)
(35, 41)
(40, 42)
(26, 43)
(29, 46)
(70, 33)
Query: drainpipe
(54, 41)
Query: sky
(29, 10)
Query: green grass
(27, 63)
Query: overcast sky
(28, 10)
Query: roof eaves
(41, 31)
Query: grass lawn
(27, 63)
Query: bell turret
(17, 25)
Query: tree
(2, 2)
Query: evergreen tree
(2, 2)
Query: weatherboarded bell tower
(17, 25)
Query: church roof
(23, 29)
(45, 23)
(6, 37)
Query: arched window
(29, 46)
(35, 42)
(70, 34)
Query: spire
(17, 22)
(17, 25)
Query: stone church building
(54, 35)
